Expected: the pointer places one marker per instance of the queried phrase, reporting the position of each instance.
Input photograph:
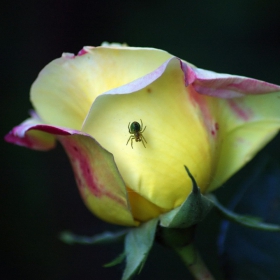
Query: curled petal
(29, 135)
(238, 128)
(65, 89)
(224, 85)
(246, 125)
(241, 114)
(99, 182)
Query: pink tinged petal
(242, 113)
(246, 125)
(99, 182)
(29, 135)
(224, 85)
(82, 52)
(209, 119)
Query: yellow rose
(212, 123)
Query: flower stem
(194, 262)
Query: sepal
(247, 221)
(102, 238)
(119, 259)
(193, 210)
(138, 243)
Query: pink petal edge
(224, 85)
(28, 134)
(203, 81)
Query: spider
(137, 133)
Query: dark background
(38, 196)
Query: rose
(212, 123)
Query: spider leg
(129, 128)
(132, 141)
(129, 139)
(141, 125)
(143, 142)
(144, 139)
(143, 129)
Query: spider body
(136, 130)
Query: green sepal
(119, 259)
(248, 221)
(193, 210)
(138, 243)
(103, 238)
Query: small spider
(137, 133)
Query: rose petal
(100, 184)
(65, 88)
(225, 85)
(240, 127)
(245, 125)
(175, 135)
(142, 209)
(28, 134)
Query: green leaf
(103, 238)
(193, 210)
(138, 243)
(248, 221)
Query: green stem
(194, 262)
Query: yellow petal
(142, 209)
(246, 125)
(65, 88)
(175, 135)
